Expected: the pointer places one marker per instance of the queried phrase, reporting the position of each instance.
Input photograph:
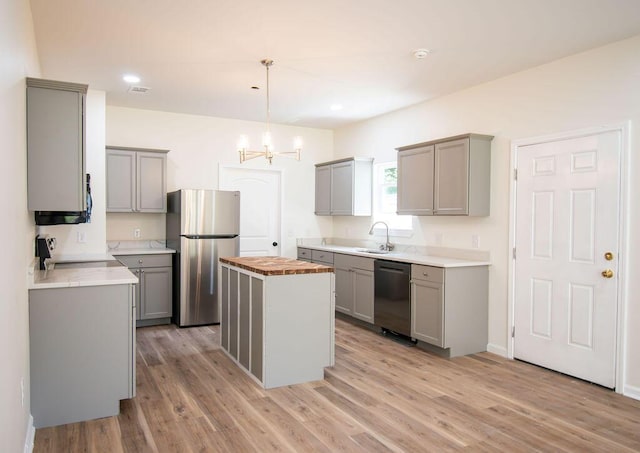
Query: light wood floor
(380, 396)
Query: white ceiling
(203, 56)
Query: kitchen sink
(373, 251)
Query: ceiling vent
(138, 89)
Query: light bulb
(297, 143)
(243, 142)
(267, 141)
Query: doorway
(566, 265)
(260, 208)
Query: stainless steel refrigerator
(202, 225)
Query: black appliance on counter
(44, 246)
(67, 217)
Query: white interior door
(567, 214)
(260, 215)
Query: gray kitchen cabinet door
(55, 146)
(415, 181)
(363, 289)
(344, 290)
(451, 178)
(427, 312)
(121, 180)
(233, 313)
(257, 330)
(342, 187)
(151, 182)
(155, 292)
(323, 190)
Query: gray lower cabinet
(55, 146)
(82, 352)
(354, 286)
(449, 307)
(136, 179)
(154, 290)
(304, 254)
(449, 176)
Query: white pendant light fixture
(267, 142)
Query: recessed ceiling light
(131, 78)
(336, 107)
(419, 54)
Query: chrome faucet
(387, 246)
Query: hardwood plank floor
(381, 396)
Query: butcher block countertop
(275, 265)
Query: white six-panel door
(567, 213)
(260, 200)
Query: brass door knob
(608, 256)
(607, 273)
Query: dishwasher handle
(392, 269)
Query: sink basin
(374, 251)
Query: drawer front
(304, 254)
(427, 273)
(353, 262)
(134, 261)
(322, 257)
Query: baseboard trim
(498, 350)
(31, 436)
(631, 392)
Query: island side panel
(298, 335)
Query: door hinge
(513, 332)
(514, 253)
(515, 174)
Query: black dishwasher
(392, 296)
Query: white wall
(594, 88)
(18, 59)
(199, 145)
(94, 232)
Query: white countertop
(89, 276)
(140, 251)
(427, 260)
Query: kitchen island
(277, 318)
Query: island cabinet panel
(278, 328)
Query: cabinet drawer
(353, 262)
(322, 257)
(134, 261)
(427, 273)
(304, 254)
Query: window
(385, 188)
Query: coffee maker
(44, 246)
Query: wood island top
(275, 265)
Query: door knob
(274, 243)
(607, 273)
(608, 256)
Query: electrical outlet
(475, 241)
(82, 237)
(136, 233)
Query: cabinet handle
(142, 271)
(425, 274)
(140, 261)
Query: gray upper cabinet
(136, 180)
(56, 145)
(445, 177)
(344, 187)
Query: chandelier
(267, 142)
